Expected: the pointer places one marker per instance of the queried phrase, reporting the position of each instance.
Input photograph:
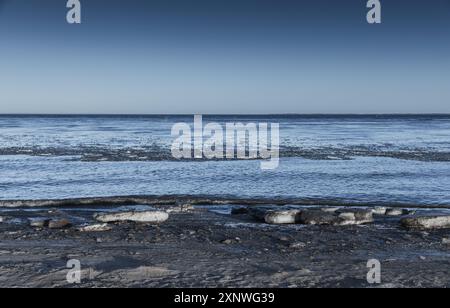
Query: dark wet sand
(205, 249)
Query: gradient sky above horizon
(234, 56)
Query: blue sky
(211, 56)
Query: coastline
(201, 246)
(173, 200)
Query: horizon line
(225, 114)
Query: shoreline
(206, 200)
(201, 247)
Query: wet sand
(200, 248)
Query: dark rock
(318, 217)
(59, 224)
(239, 211)
(259, 213)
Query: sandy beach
(202, 247)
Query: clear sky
(215, 56)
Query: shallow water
(356, 158)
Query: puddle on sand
(218, 209)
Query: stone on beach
(227, 242)
(330, 209)
(318, 217)
(379, 210)
(361, 216)
(271, 215)
(343, 217)
(143, 217)
(259, 213)
(427, 222)
(397, 212)
(59, 224)
(39, 222)
(313, 216)
(95, 228)
(297, 245)
(184, 208)
(49, 223)
(282, 217)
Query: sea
(373, 159)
